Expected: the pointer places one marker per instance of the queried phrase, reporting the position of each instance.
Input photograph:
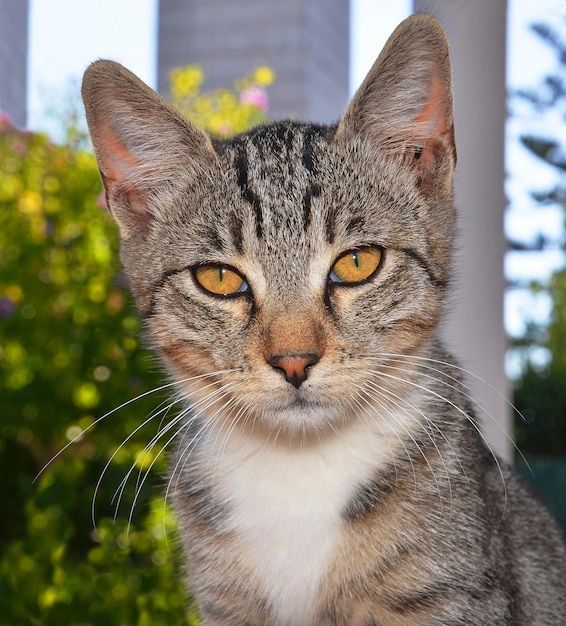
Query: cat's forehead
(282, 143)
(278, 165)
(275, 173)
(295, 180)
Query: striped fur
(327, 468)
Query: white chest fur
(287, 506)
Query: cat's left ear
(404, 105)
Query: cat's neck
(291, 497)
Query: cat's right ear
(404, 105)
(145, 149)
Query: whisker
(139, 483)
(234, 420)
(464, 414)
(366, 411)
(413, 439)
(423, 415)
(369, 419)
(98, 420)
(194, 442)
(423, 362)
(109, 462)
(387, 392)
(148, 447)
(202, 408)
(183, 456)
(137, 429)
(80, 435)
(209, 398)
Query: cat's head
(278, 272)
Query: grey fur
(432, 529)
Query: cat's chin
(301, 417)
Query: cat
(328, 468)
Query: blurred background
(90, 539)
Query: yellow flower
(30, 202)
(14, 292)
(264, 75)
(185, 80)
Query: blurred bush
(90, 540)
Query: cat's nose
(294, 366)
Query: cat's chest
(286, 510)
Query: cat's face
(279, 272)
(318, 206)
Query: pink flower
(255, 96)
(6, 123)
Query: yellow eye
(355, 266)
(220, 280)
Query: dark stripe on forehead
(330, 225)
(308, 154)
(236, 231)
(354, 225)
(311, 192)
(284, 136)
(309, 164)
(249, 196)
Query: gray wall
(306, 42)
(13, 59)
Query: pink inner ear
(432, 125)
(433, 114)
(127, 202)
(117, 161)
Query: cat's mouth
(301, 403)
(305, 397)
(304, 412)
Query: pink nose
(294, 366)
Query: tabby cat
(328, 468)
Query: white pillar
(475, 331)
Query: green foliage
(539, 393)
(69, 352)
(70, 362)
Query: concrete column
(306, 42)
(13, 59)
(475, 331)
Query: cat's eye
(220, 280)
(355, 266)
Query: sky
(66, 35)
(91, 29)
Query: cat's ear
(404, 106)
(145, 149)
